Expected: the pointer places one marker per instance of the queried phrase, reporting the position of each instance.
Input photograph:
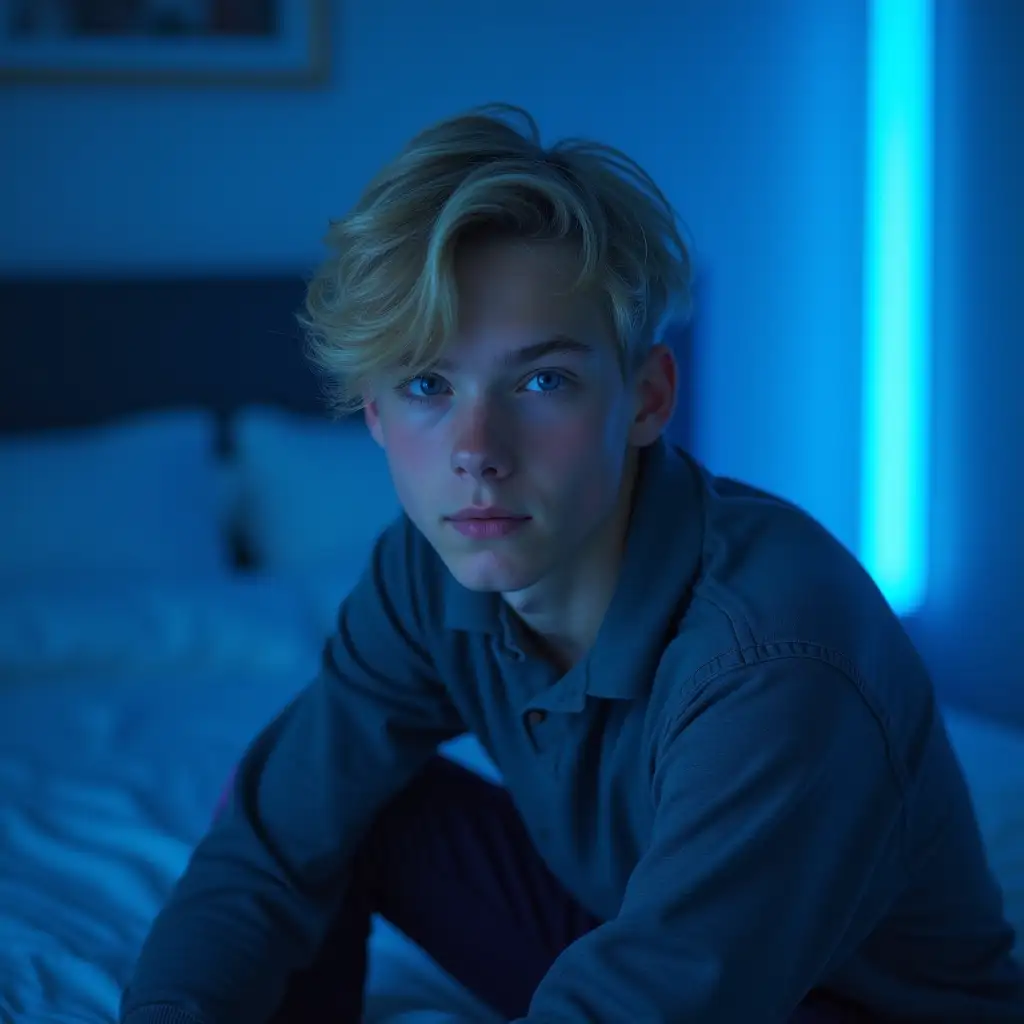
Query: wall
(972, 628)
(748, 112)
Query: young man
(728, 793)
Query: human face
(527, 414)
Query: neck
(564, 611)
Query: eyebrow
(560, 344)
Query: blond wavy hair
(386, 296)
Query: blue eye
(548, 381)
(427, 387)
(423, 387)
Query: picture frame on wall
(243, 42)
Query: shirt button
(535, 717)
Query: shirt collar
(662, 555)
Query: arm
(776, 804)
(259, 892)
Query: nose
(481, 450)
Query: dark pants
(449, 863)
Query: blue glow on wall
(897, 301)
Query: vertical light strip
(897, 301)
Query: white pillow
(138, 494)
(314, 493)
(85, 624)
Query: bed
(170, 562)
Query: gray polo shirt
(747, 779)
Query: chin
(486, 573)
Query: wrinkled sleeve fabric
(775, 804)
(260, 889)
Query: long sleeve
(260, 888)
(776, 802)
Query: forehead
(513, 293)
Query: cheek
(587, 450)
(592, 432)
(404, 444)
(408, 456)
(572, 442)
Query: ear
(655, 388)
(372, 416)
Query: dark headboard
(79, 351)
(74, 352)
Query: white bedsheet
(105, 786)
(104, 789)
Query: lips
(487, 523)
(470, 514)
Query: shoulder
(777, 597)
(769, 573)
